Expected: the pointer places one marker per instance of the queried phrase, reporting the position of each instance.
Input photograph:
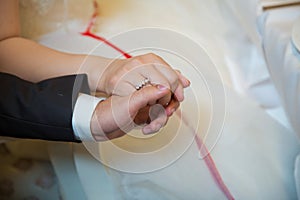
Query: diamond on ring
(142, 84)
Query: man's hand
(117, 115)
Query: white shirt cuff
(81, 120)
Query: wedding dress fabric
(275, 28)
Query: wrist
(96, 126)
(83, 114)
(95, 123)
(94, 67)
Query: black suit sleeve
(39, 110)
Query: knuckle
(164, 83)
(151, 55)
(135, 62)
(126, 69)
(178, 71)
(113, 81)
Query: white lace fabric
(39, 17)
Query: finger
(142, 116)
(176, 80)
(184, 81)
(154, 75)
(169, 74)
(155, 125)
(123, 89)
(179, 93)
(153, 102)
(172, 107)
(164, 101)
(115, 134)
(109, 136)
(128, 83)
(153, 58)
(135, 79)
(158, 119)
(161, 65)
(141, 98)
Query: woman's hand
(122, 77)
(117, 115)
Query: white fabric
(82, 114)
(282, 53)
(250, 75)
(39, 17)
(247, 12)
(280, 32)
(283, 63)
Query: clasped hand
(132, 98)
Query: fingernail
(161, 87)
(188, 82)
(147, 130)
(157, 127)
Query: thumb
(144, 96)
